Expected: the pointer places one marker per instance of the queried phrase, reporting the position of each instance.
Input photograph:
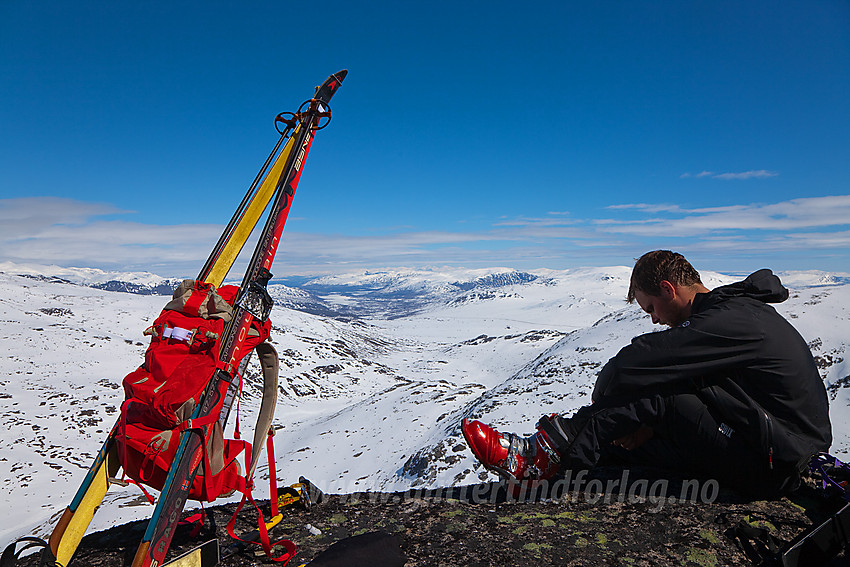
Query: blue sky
(469, 134)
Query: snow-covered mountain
(377, 370)
(141, 283)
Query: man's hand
(634, 440)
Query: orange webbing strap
(272, 473)
(122, 431)
(196, 521)
(264, 542)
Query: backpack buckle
(179, 334)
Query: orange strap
(272, 472)
(264, 542)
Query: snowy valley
(377, 370)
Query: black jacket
(744, 360)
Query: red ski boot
(516, 458)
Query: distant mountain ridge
(365, 293)
(165, 288)
(140, 283)
(377, 369)
(392, 292)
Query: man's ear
(668, 290)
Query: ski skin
(157, 538)
(76, 518)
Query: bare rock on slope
(646, 520)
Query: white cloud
(73, 233)
(114, 243)
(796, 214)
(24, 217)
(67, 232)
(756, 174)
(822, 239)
(650, 208)
(752, 174)
(555, 219)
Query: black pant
(689, 439)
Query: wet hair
(653, 267)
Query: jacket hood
(763, 285)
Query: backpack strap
(270, 364)
(263, 526)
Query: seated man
(730, 391)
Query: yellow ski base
(74, 523)
(252, 215)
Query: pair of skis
(280, 176)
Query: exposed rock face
(595, 520)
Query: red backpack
(161, 395)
